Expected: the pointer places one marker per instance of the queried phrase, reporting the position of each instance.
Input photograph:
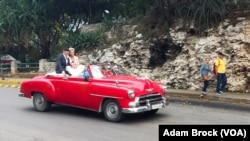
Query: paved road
(19, 122)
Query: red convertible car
(103, 88)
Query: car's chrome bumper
(147, 107)
(21, 95)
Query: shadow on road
(129, 118)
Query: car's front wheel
(40, 103)
(112, 110)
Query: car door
(58, 83)
(75, 92)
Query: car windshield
(104, 70)
(96, 71)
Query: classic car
(113, 94)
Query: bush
(85, 41)
(205, 13)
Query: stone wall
(182, 70)
(45, 66)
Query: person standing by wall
(220, 72)
(205, 69)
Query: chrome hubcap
(39, 101)
(112, 110)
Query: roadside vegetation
(40, 29)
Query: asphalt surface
(238, 100)
(20, 122)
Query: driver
(106, 71)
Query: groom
(62, 61)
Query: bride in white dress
(75, 68)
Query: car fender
(100, 92)
(29, 87)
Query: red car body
(113, 95)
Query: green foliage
(107, 21)
(40, 22)
(18, 19)
(235, 1)
(53, 24)
(206, 13)
(84, 41)
(125, 9)
(132, 8)
(202, 13)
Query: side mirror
(86, 76)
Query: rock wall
(46, 66)
(182, 69)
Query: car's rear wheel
(40, 103)
(112, 110)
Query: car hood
(139, 85)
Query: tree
(17, 23)
(42, 24)
(37, 23)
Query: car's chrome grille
(151, 98)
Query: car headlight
(164, 89)
(131, 94)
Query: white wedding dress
(75, 71)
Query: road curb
(208, 98)
(9, 86)
(213, 104)
(10, 83)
